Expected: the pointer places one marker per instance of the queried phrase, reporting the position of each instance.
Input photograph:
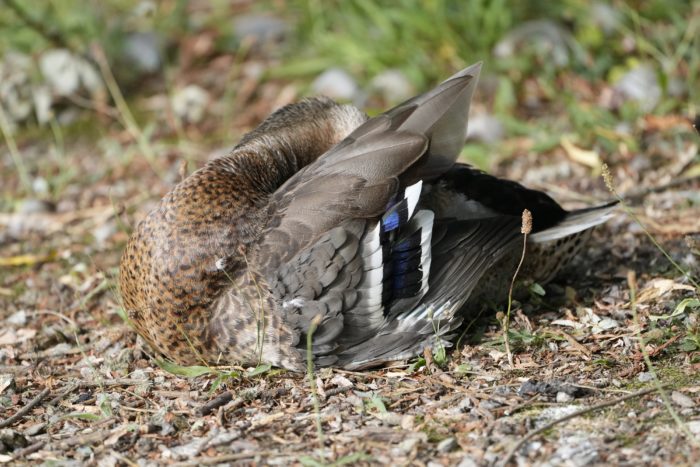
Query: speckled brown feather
(193, 247)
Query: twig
(94, 384)
(224, 458)
(25, 410)
(578, 413)
(222, 399)
(63, 394)
(31, 449)
(338, 390)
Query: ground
(604, 362)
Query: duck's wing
(361, 176)
(347, 244)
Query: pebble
(190, 103)
(6, 381)
(18, 318)
(644, 377)
(467, 461)
(485, 128)
(104, 232)
(12, 439)
(392, 85)
(260, 28)
(336, 84)
(142, 50)
(641, 85)
(407, 445)
(694, 426)
(563, 397)
(447, 445)
(682, 400)
(544, 36)
(605, 16)
(390, 418)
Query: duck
(328, 235)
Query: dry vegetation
(606, 360)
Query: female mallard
(363, 232)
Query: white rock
(190, 103)
(392, 85)
(644, 377)
(142, 49)
(640, 85)
(564, 397)
(486, 128)
(60, 71)
(260, 27)
(336, 84)
(18, 318)
(694, 426)
(447, 445)
(66, 73)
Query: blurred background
(104, 105)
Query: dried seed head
(526, 226)
(607, 178)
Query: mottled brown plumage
(366, 227)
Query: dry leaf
(582, 156)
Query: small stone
(644, 377)
(545, 37)
(682, 400)
(260, 28)
(640, 85)
(190, 103)
(605, 16)
(564, 397)
(447, 445)
(104, 232)
(336, 84)
(18, 318)
(467, 461)
(142, 50)
(485, 128)
(694, 426)
(66, 73)
(12, 439)
(390, 418)
(608, 323)
(6, 381)
(392, 85)
(83, 452)
(408, 422)
(40, 185)
(407, 445)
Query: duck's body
(368, 228)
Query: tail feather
(575, 222)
